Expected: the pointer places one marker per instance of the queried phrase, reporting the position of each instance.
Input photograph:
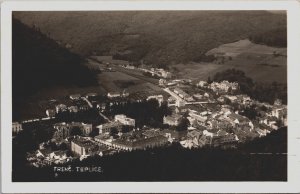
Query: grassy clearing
(108, 80)
(245, 46)
(257, 61)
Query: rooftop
(110, 124)
(84, 142)
(234, 116)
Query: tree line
(276, 37)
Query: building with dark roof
(140, 144)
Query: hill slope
(38, 63)
(154, 36)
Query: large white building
(82, 147)
(125, 120)
(113, 94)
(117, 94)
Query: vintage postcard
(127, 96)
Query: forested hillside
(38, 63)
(154, 36)
(275, 37)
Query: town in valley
(195, 114)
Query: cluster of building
(220, 87)
(76, 147)
(173, 82)
(212, 121)
(119, 121)
(182, 94)
(158, 72)
(223, 124)
(75, 104)
(46, 155)
(133, 140)
(117, 94)
(64, 130)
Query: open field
(138, 74)
(194, 71)
(257, 61)
(245, 46)
(258, 72)
(109, 79)
(130, 79)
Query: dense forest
(263, 92)
(156, 37)
(174, 163)
(275, 37)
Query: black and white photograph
(149, 96)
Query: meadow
(261, 63)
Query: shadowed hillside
(39, 63)
(275, 37)
(154, 36)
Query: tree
(63, 146)
(264, 108)
(114, 131)
(209, 81)
(94, 132)
(230, 90)
(127, 128)
(250, 112)
(76, 131)
(183, 124)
